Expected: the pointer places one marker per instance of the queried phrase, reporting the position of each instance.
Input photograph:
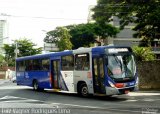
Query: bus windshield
(121, 66)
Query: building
(3, 32)
(125, 36)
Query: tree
(143, 53)
(144, 13)
(2, 60)
(106, 30)
(61, 37)
(25, 47)
(83, 35)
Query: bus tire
(36, 86)
(83, 90)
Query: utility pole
(16, 51)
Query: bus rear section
(33, 71)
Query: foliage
(61, 37)
(143, 53)
(25, 47)
(82, 35)
(64, 42)
(144, 13)
(2, 60)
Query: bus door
(55, 73)
(98, 75)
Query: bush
(143, 53)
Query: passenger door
(98, 75)
(56, 74)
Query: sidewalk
(2, 81)
(144, 93)
(148, 91)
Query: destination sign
(117, 50)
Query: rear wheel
(36, 86)
(83, 90)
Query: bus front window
(121, 67)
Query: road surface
(23, 100)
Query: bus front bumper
(118, 91)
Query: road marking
(82, 106)
(5, 97)
(62, 104)
(72, 105)
(93, 107)
(14, 87)
(17, 99)
(130, 100)
(9, 97)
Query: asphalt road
(23, 100)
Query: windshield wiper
(118, 61)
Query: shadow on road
(52, 95)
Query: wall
(149, 75)
(4, 72)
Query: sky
(33, 18)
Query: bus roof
(67, 52)
(46, 55)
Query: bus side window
(29, 65)
(45, 64)
(68, 62)
(20, 66)
(82, 62)
(36, 64)
(85, 66)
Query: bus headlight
(111, 84)
(137, 81)
(136, 85)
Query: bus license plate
(126, 91)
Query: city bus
(102, 70)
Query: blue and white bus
(102, 70)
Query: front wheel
(83, 90)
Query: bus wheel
(83, 91)
(35, 85)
